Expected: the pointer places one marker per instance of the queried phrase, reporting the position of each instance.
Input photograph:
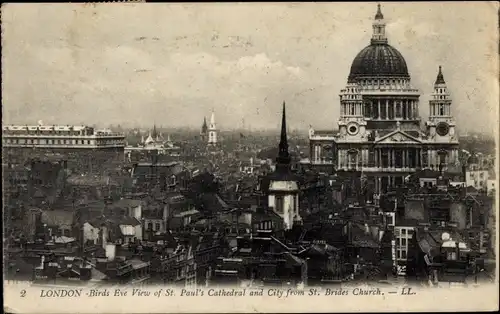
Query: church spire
(378, 26)
(440, 77)
(212, 121)
(155, 134)
(204, 127)
(283, 159)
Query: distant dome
(378, 59)
(472, 160)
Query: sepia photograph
(250, 157)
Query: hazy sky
(135, 64)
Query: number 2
(23, 293)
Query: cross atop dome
(440, 77)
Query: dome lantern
(378, 26)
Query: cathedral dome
(378, 60)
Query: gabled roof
(127, 220)
(398, 136)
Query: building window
(279, 204)
(452, 256)
(157, 227)
(398, 110)
(403, 242)
(353, 160)
(403, 254)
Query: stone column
(339, 158)
(387, 109)
(379, 157)
(429, 157)
(417, 157)
(389, 159)
(418, 162)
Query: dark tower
(204, 129)
(154, 134)
(283, 159)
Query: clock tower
(441, 124)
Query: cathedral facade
(380, 131)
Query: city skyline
(89, 66)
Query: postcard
(250, 157)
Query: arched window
(441, 109)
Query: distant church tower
(212, 131)
(204, 129)
(441, 125)
(283, 193)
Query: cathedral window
(390, 114)
(353, 160)
(442, 158)
(385, 158)
(371, 158)
(441, 109)
(398, 110)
